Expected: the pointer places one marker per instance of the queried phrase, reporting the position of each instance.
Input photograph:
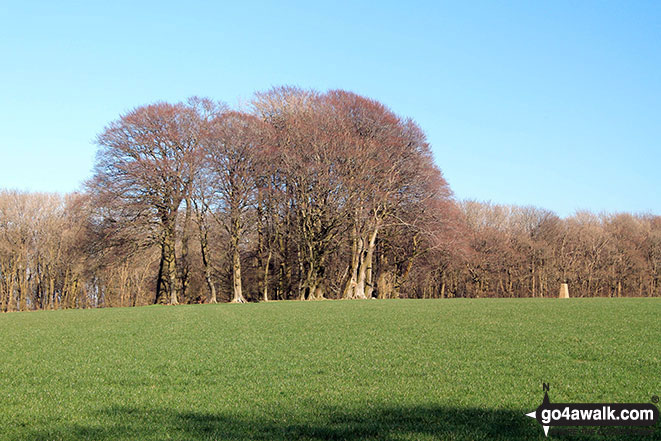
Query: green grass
(354, 370)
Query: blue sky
(555, 104)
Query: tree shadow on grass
(386, 423)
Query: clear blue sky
(550, 103)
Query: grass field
(353, 370)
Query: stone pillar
(564, 291)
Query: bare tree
(145, 167)
(309, 148)
(232, 149)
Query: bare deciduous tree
(145, 167)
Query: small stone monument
(564, 291)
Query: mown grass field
(351, 370)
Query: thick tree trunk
(385, 285)
(161, 285)
(306, 286)
(237, 289)
(167, 281)
(10, 293)
(360, 283)
(312, 287)
(301, 270)
(23, 289)
(314, 284)
(282, 269)
(350, 290)
(369, 258)
(66, 290)
(213, 298)
(51, 293)
(172, 275)
(185, 261)
(318, 292)
(204, 248)
(265, 287)
(409, 264)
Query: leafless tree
(145, 167)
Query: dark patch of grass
(415, 423)
(379, 370)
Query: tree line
(303, 195)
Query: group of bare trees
(526, 252)
(50, 258)
(303, 195)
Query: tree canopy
(300, 195)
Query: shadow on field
(396, 423)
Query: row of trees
(527, 252)
(305, 195)
(53, 255)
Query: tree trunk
(204, 248)
(51, 290)
(213, 298)
(308, 285)
(22, 289)
(161, 285)
(10, 293)
(237, 291)
(312, 288)
(185, 261)
(282, 269)
(265, 287)
(384, 284)
(533, 277)
(168, 272)
(369, 257)
(301, 271)
(172, 271)
(360, 284)
(350, 291)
